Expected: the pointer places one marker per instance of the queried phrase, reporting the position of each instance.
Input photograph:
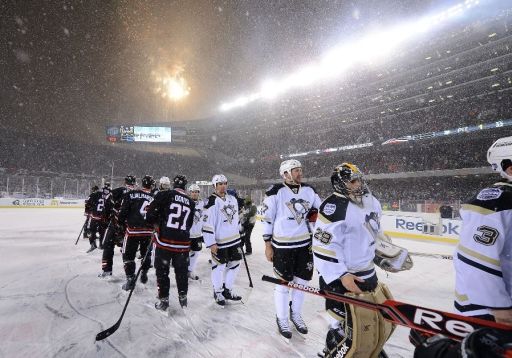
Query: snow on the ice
(52, 304)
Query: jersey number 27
(176, 219)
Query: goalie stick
(419, 318)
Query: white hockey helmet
(165, 183)
(219, 178)
(194, 187)
(288, 165)
(499, 156)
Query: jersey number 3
(176, 217)
(488, 235)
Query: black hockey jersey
(95, 205)
(173, 212)
(133, 212)
(113, 205)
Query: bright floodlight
(176, 88)
(368, 49)
(172, 84)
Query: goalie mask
(499, 156)
(348, 180)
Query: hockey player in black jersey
(138, 232)
(172, 213)
(95, 211)
(114, 233)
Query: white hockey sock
(232, 269)
(298, 296)
(281, 301)
(194, 255)
(218, 276)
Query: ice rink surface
(52, 303)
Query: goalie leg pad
(363, 332)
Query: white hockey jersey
(483, 258)
(283, 215)
(221, 221)
(343, 240)
(197, 227)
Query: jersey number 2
(175, 216)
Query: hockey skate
(105, 274)
(298, 322)
(219, 298)
(130, 283)
(192, 276)
(144, 276)
(162, 304)
(284, 328)
(231, 295)
(183, 300)
(92, 248)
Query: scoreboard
(137, 133)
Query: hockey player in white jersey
(221, 235)
(344, 252)
(483, 259)
(196, 232)
(287, 236)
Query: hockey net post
(415, 317)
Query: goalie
(344, 251)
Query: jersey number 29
(176, 217)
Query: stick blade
(108, 332)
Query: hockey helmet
(165, 183)
(130, 180)
(219, 178)
(95, 188)
(179, 181)
(499, 156)
(288, 165)
(347, 173)
(147, 181)
(194, 187)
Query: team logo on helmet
(299, 208)
(229, 212)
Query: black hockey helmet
(148, 181)
(345, 173)
(180, 181)
(107, 184)
(130, 180)
(95, 188)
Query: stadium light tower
(366, 50)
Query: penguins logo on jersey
(264, 208)
(229, 212)
(299, 208)
(372, 222)
(197, 215)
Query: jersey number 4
(178, 216)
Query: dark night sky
(79, 65)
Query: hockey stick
(246, 267)
(422, 319)
(82, 230)
(433, 256)
(111, 330)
